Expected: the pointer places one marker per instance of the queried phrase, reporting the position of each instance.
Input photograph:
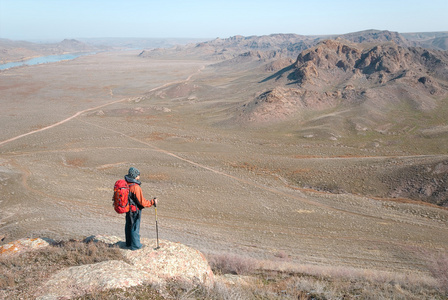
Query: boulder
(172, 261)
(22, 245)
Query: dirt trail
(95, 108)
(251, 183)
(60, 122)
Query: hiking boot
(143, 246)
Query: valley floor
(70, 129)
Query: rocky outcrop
(338, 72)
(280, 103)
(380, 64)
(149, 265)
(171, 262)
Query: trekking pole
(157, 226)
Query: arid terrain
(335, 157)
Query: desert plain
(71, 129)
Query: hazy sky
(59, 19)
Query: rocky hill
(354, 90)
(339, 73)
(380, 64)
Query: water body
(43, 60)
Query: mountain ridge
(292, 44)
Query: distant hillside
(71, 45)
(22, 50)
(433, 40)
(375, 36)
(222, 49)
(139, 43)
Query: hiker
(138, 202)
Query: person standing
(138, 202)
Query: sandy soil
(70, 129)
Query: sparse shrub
(438, 265)
(232, 264)
(282, 255)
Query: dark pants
(132, 230)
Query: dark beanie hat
(133, 172)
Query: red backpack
(121, 196)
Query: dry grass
(438, 266)
(156, 177)
(238, 277)
(76, 161)
(281, 279)
(21, 275)
(146, 292)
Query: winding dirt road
(77, 114)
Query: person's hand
(155, 201)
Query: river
(43, 60)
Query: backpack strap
(131, 202)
